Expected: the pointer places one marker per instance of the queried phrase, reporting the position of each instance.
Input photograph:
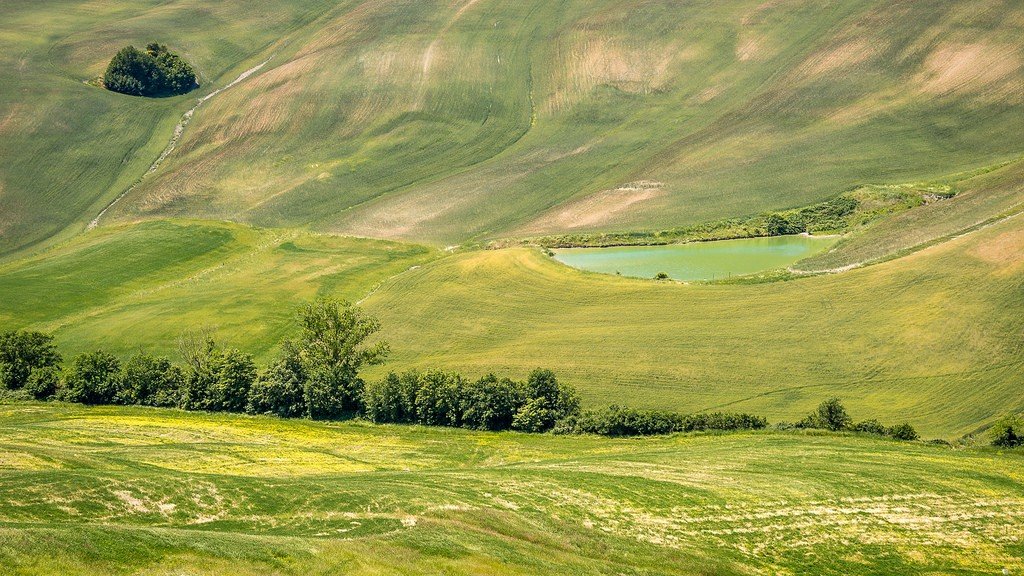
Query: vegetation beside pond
(847, 211)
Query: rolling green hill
(403, 155)
(443, 122)
(143, 491)
(932, 338)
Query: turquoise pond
(697, 260)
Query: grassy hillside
(933, 337)
(121, 288)
(442, 121)
(138, 491)
(70, 147)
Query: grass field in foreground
(147, 491)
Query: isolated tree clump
(151, 72)
(830, 415)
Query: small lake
(697, 260)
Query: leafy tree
(43, 382)
(830, 415)
(661, 276)
(439, 399)
(547, 403)
(280, 389)
(148, 380)
(392, 399)
(235, 374)
(23, 351)
(92, 379)
(491, 403)
(216, 379)
(903, 431)
(332, 350)
(1008, 432)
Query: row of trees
(620, 421)
(439, 398)
(317, 376)
(832, 415)
(154, 71)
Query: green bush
(778, 225)
(280, 390)
(21, 352)
(1008, 432)
(392, 399)
(903, 431)
(153, 72)
(547, 402)
(216, 379)
(619, 421)
(43, 382)
(439, 399)
(830, 415)
(92, 379)
(491, 403)
(148, 380)
(870, 427)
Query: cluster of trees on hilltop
(154, 71)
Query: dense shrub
(392, 399)
(280, 390)
(23, 351)
(1008, 432)
(153, 72)
(903, 431)
(778, 225)
(547, 402)
(869, 427)
(491, 403)
(216, 379)
(147, 380)
(92, 379)
(43, 382)
(830, 415)
(439, 399)
(618, 421)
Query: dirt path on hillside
(175, 137)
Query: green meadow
(144, 491)
(405, 155)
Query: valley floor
(149, 491)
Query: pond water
(697, 260)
